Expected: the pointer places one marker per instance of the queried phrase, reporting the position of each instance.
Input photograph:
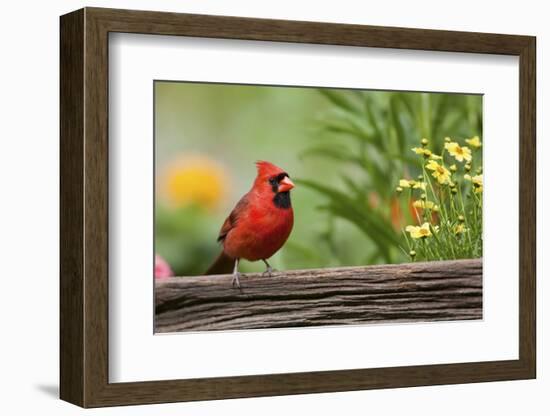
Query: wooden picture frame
(84, 207)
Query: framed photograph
(254, 207)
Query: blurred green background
(345, 149)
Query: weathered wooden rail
(412, 292)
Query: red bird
(259, 224)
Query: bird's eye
(281, 176)
(273, 181)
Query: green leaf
(358, 190)
(350, 129)
(368, 220)
(372, 120)
(332, 152)
(339, 99)
(400, 129)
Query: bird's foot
(235, 281)
(268, 272)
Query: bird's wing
(231, 221)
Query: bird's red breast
(262, 220)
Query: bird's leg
(269, 269)
(235, 280)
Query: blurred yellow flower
(425, 152)
(477, 182)
(193, 180)
(425, 205)
(440, 172)
(474, 142)
(460, 153)
(404, 183)
(422, 231)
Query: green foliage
(368, 220)
(186, 238)
(370, 135)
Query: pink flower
(162, 268)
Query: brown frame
(84, 207)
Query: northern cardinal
(259, 224)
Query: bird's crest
(267, 168)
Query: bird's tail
(222, 265)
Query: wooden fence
(412, 292)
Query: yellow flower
(425, 152)
(404, 183)
(193, 180)
(459, 228)
(477, 182)
(460, 153)
(474, 142)
(425, 205)
(440, 172)
(419, 232)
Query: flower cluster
(448, 209)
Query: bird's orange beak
(285, 185)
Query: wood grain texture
(96, 207)
(246, 28)
(72, 369)
(528, 209)
(434, 291)
(84, 207)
